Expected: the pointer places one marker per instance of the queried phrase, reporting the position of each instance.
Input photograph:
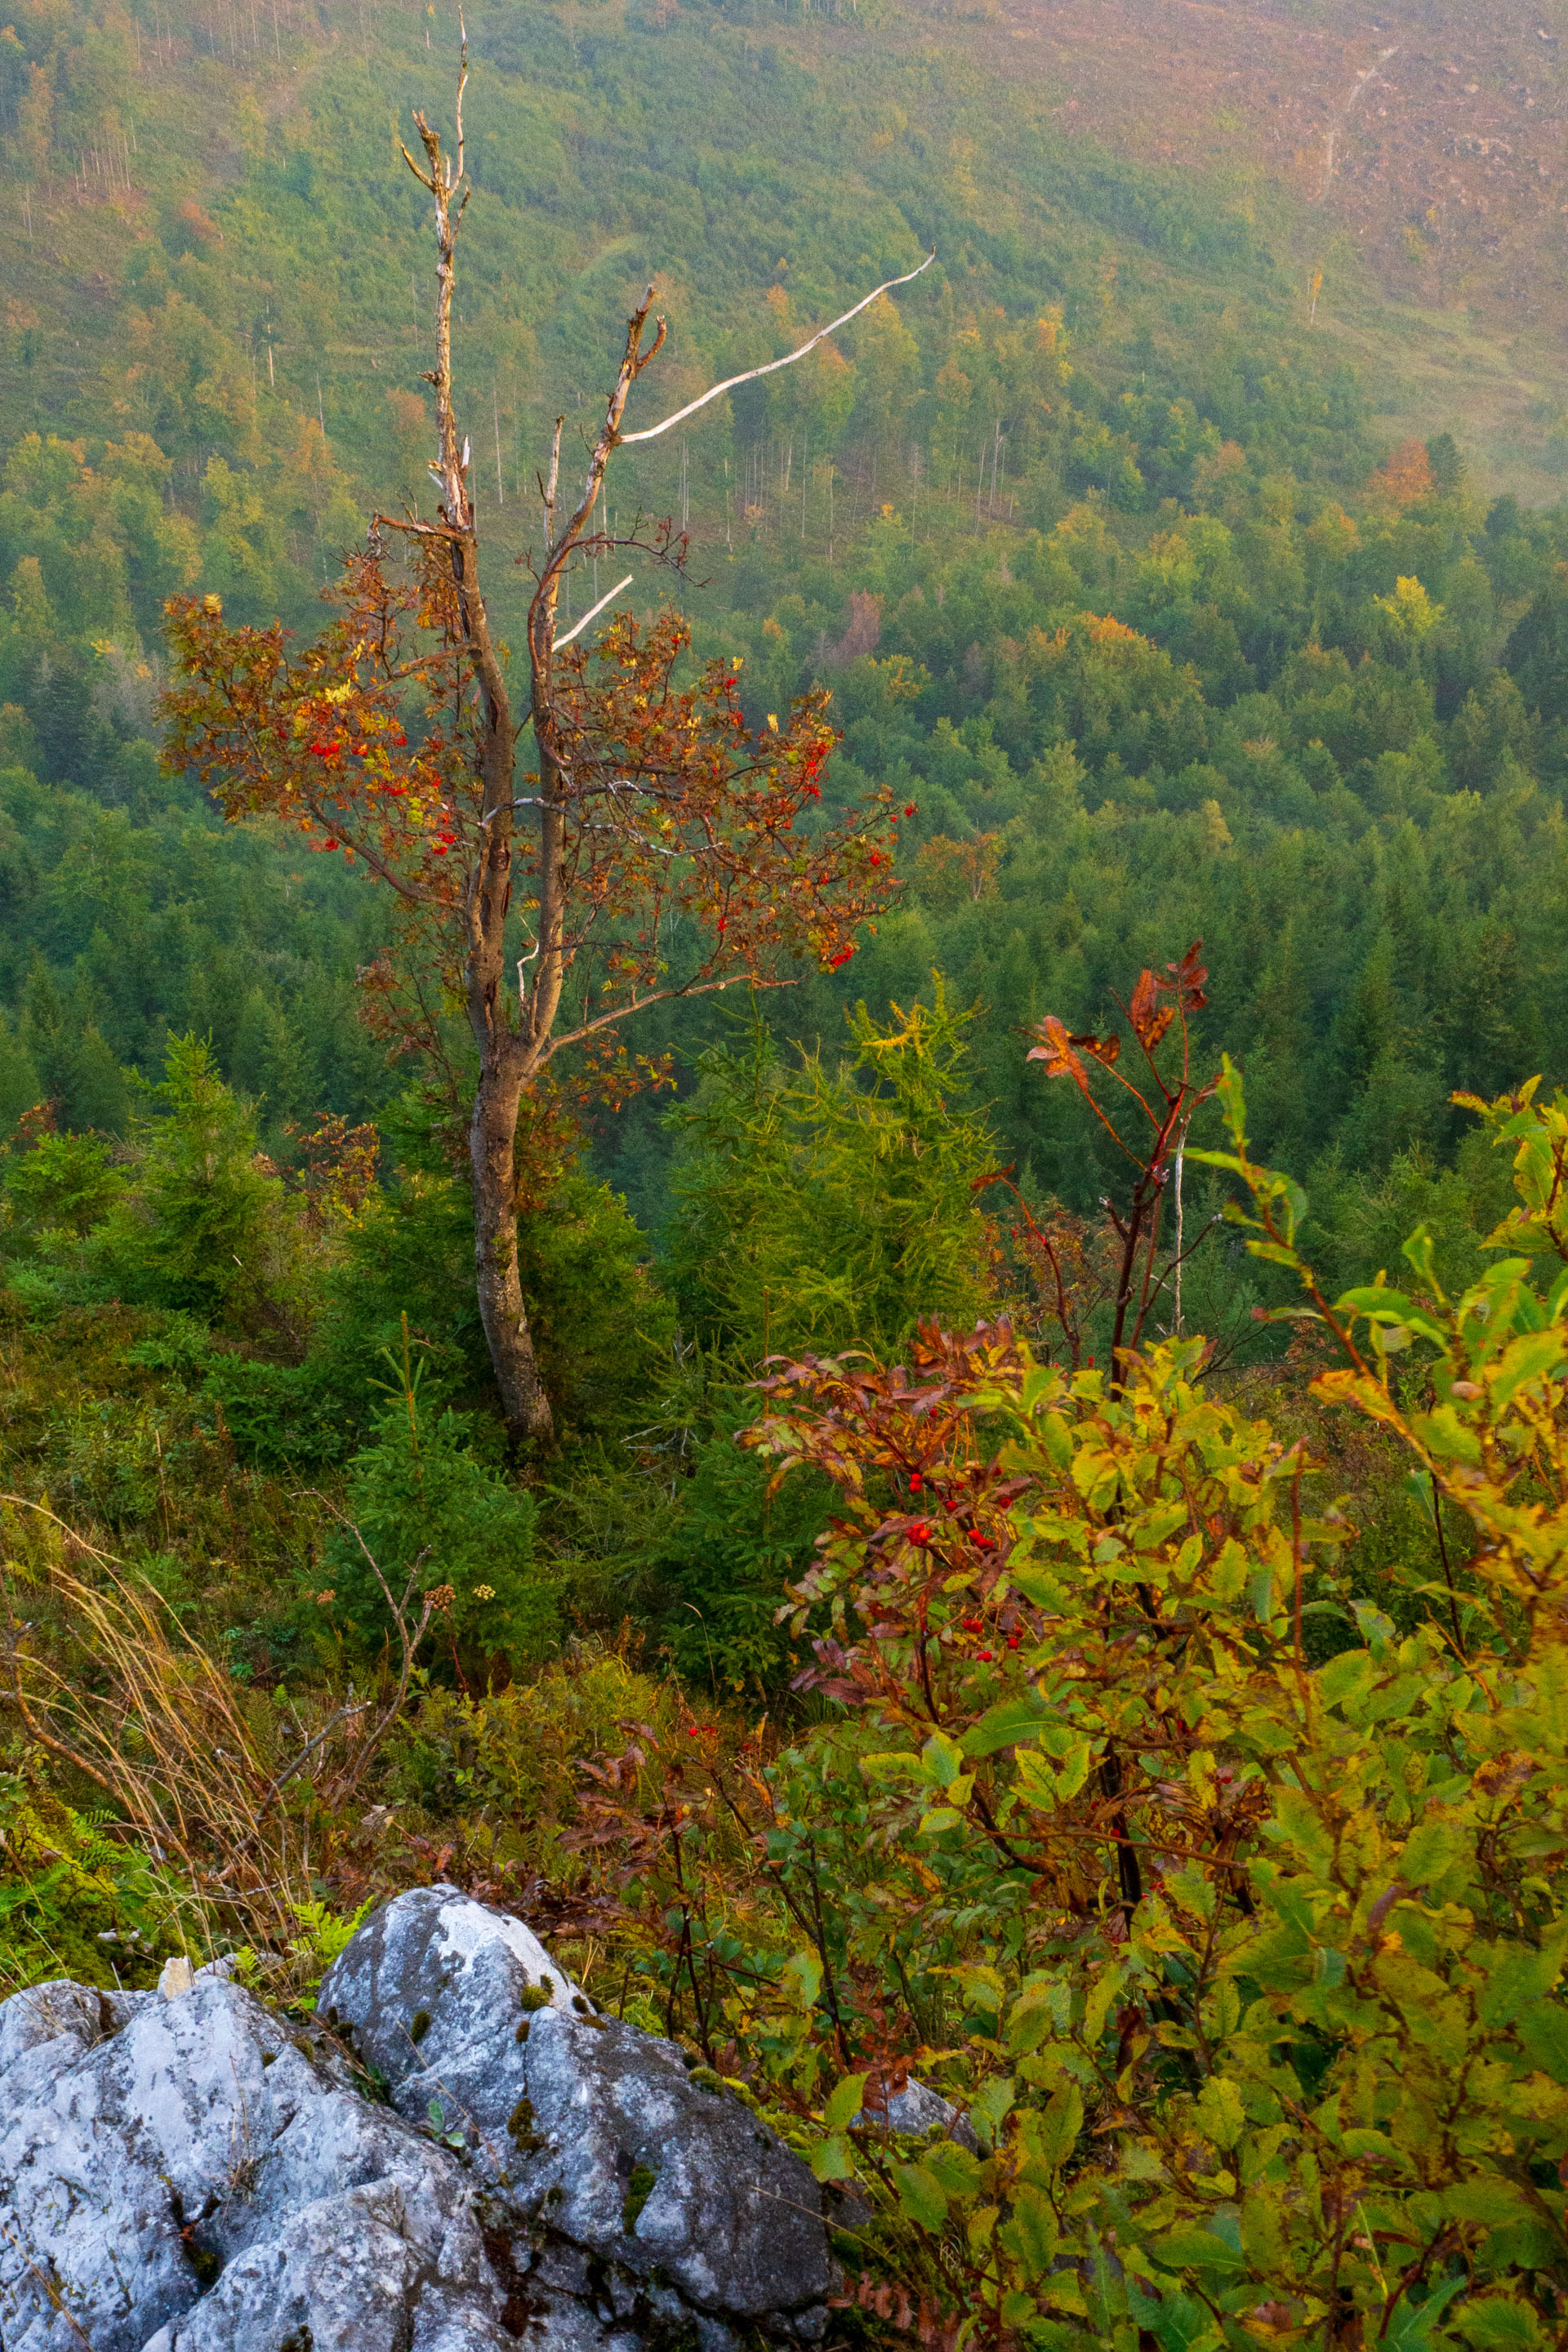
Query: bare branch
(593, 613)
(664, 997)
(549, 489)
(652, 432)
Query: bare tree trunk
(492, 1145)
(506, 1061)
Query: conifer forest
(783, 1095)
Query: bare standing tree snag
(656, 849)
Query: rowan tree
(652, 847)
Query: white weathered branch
(652, 432)
(593, 613)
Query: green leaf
(1528, 1358)
(1005, 1725)
(830, 2161)
(845, 2105)
(1220, 2114)
(1097, 2007)
(1374, 1298)
(1346, 1677)
(921, 2198)
(1488, 2197)
(1032, 2230)
(989, 2108)
(1058, 1439)
(892, 1769)
(1362, 2141)
(1519, 1981)
(1060, 2124)
(1435, 1849)
(1195, 2250)
(1544, 2034)
(1410, 2329)
(942, 1759)
(953, 2168)
(802, 1976)
(1497, 2323)
(1272, 1252)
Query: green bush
(58, 1191)
(514, 1756)
(1242, 1953)
(202, 1226)
(73, 1901)
(430, 1509)
(834, 1206)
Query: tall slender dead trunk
(507, 1061)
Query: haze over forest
(841, 1268)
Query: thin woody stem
(652, 432)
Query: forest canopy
(1035, 1558)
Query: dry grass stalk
(105, 1680)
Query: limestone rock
(920, 2110)
(607, 2133)
(177, 2173)
(186, 2171)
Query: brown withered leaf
(1056, 1050)
(1500, 1775)
(1145, 999)
(1187, 979)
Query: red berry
(914, 1482)
(919, 1533)
(910, 810)
(973, 1624)
(985, 1657)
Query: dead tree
(647, 803)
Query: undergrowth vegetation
(1163, 1763)
(1011, 1594)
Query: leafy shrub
(514, 1754)
(1243, 1954)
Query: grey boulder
(189, 2172)
(610, 2136)
(179, 2175)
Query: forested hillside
(1105, 405)
(1005, 1584)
